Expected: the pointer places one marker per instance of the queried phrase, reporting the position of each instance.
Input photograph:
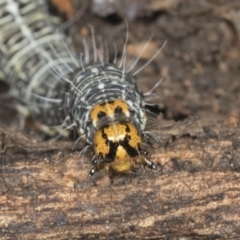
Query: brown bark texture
(194, 193)
(45, 190)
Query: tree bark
(194, 193)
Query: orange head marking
(117, 144)
(110, 110)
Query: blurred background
(200, 64)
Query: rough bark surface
(46, 192)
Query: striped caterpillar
(99, 99)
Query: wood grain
(195, 193)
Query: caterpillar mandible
(99, 99)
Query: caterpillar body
(99, 100)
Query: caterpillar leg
(150, 164)
(96, 162)
(94, 166)
(92, 171)
(147, 162)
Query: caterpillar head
(117, 146)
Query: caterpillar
(98, 99)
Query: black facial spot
(118, 110)
(110, 157)
(101, 114)
(104, 135)
(102, 104)
(131, 151)
(111, 102)
(127, 128)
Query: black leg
(92, 171)
(143, 152)
(150, 164)
(96, 161)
